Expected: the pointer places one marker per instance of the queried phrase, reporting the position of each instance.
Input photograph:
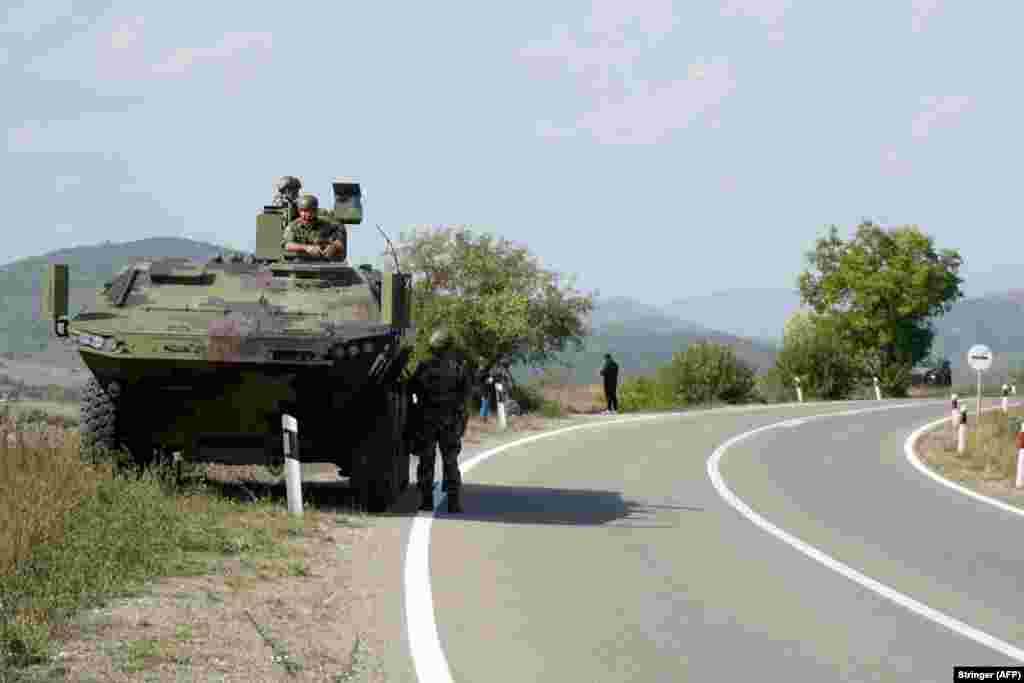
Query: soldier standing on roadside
(610, 373)
(442, 384)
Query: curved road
(607, 554)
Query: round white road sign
(980, 357)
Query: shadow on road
(487, 503)
(538, 505)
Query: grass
(37, 412)
(989, 462)
(75, 535)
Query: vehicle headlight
(353, 351)
(95, 341)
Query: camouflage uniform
(442, 384)
(314, 232)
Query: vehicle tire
(378, 475)
(99, 418)
(403, 457)
(101, 429)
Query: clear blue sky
(658, 152)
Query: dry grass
(41, 480)
(989, 464)
(75, 540)
(578, 399)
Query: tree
(495, 298)
(707, 372)
(814, 350)
(882, 288)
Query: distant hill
(751, 313)
(621, 312)
(21, 282)
(996, 320)
(642, 338)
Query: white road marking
(428, 657)
(908, 448)
(905, 601)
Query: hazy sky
(657, 150)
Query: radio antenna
(394, 254)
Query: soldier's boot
(454, 502)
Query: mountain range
(640, 336)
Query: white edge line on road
(909, 447)
(428, 657)
(905, 601)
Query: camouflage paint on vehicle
(207, 356)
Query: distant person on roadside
(610, 373)
(487, 394)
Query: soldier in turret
(308, 235)
(286, 196)
(442, 384)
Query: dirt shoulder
(326, 607)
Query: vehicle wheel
(377, 477)
(100, 428)
(402, 455)
(99, 418)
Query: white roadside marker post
(1020, 457)
(955, 417)
(292, 469)
(961, 436)
(1006, 398)
(499, 391)
(799, 391)
(878, 390)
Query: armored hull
(205, 358)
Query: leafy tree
(882, 288)
(773, 387)
(707, 372)
(814, 350)
(495, 298)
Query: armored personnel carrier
(205, 358)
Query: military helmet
(308, 201)
(288, 184)
(440, 338)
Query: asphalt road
(606, 554)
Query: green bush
(552, 409)
(771, 387)
(645, 393)
(707, 372)
(529, 397)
